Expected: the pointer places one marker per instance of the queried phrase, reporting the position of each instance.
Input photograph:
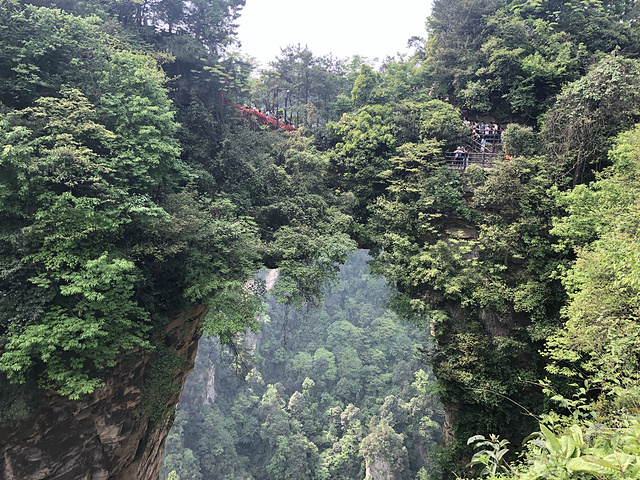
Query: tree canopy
(110, 222)
(131, 187)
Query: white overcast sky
(371, 28)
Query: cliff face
(493, 327)
(103, 436)
(483, 353)
(378, 469)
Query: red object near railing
(254, 115)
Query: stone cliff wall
(378, 469)
(470, 352)
(103, 436)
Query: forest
(325, 384)
(134, 184)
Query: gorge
(137, 204)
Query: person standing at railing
(460, 157)
(458, 153)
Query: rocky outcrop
(105, 435)
(448, 431)
(378, 469)
(483, 347)
(210, 393)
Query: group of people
(459, 152)
(277, 118)
(483, 135)
(491, 132)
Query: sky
(370, 28)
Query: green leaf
(553, 444)
(591, 464)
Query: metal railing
(462, 161)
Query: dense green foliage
(500, 264)
(497, 263)
(594, 432)
(123, 201)
(83, 182)
(331, 386)
(109, 225)
(599, 338)
(512, 57)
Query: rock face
(211, 394)
(103, 436)
(481, 349)
(378, 469)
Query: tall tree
(589, 113)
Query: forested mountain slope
(488, 257)
(136, 206)
(335, 390)
(120, 225)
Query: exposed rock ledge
(104, 436)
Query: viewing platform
(484, 150)
(462, 161)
